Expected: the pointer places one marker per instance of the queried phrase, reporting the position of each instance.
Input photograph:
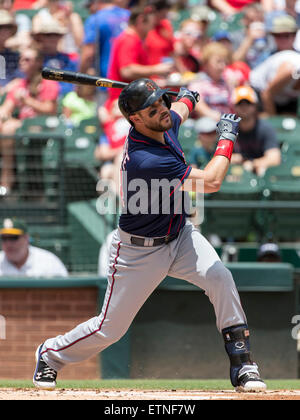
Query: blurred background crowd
(242, 56)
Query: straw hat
(284, 24)
(6, 19)
(48, 27)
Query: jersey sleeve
(176, 118)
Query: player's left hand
(228, 127)
(192, 96)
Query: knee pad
(237, 346)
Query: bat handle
(172, 93)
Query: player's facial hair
(157, 126)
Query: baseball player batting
(148, 246)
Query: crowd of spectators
(124, 40)
(251, 68)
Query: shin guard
(237, 346)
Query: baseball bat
(84, 79)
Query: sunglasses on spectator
(244, 101)
(284, 35)
(194, 34)
(50, 34)
(27, 58)
(3, 27)
(13, 238)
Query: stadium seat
(232, 24)
(79, 148)
(233, 224)
(72, 170)
(90, 126)
(290, 151)
(289, 253)
(282, 183)
(285, 177)
(54, 238)
(187, 138)
(88, 232)
(44, 125)
(287, 128)
(31, 139)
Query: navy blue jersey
(152, 174)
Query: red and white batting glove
(227, 130)
(189, 97)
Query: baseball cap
(159, 4)
(219, 35)
(269, 249)
(244, 92)
(283, 24)
(205, 125)
(13, 226)
(88, 3)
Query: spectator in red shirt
(160, 40)
(129, 58)
(28, 4)
(32, 96)
(230, 7)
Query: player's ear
(135, 118)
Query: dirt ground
(131, 394)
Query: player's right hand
(228, 127)
(193, 96)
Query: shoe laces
(48, 372)
(250, 375)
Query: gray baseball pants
(134, 273)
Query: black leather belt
(153, 242)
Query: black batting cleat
(44, 376)
(250, 381)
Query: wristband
(224, 148)
(188, 103)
